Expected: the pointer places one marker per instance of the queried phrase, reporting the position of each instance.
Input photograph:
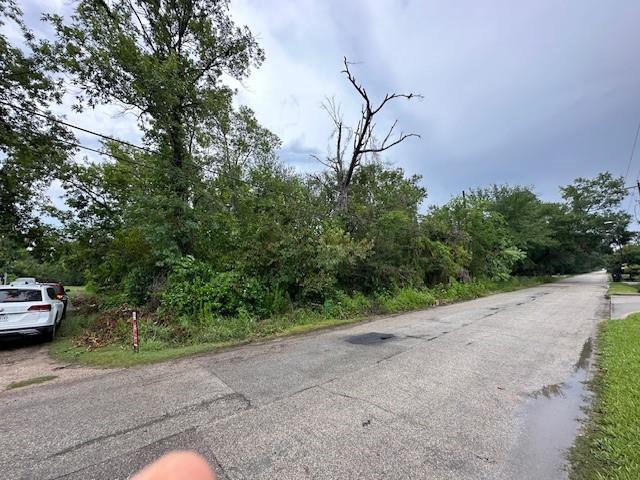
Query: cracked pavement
(441, 393)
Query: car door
(56, 305)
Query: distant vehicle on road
(23, 281)
(30, 309)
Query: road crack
(154, 421)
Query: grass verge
(159, 342)
(31, 381)
(621, 288)
(609, 447)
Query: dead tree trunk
(347, 158)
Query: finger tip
(178, 465)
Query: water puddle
(553, 417)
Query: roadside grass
(621, 288)
(609, 447)
(65, 348)
(159, 342)
(31, 381)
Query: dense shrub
(196, 292)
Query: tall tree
(164, 60)
(595, 209)
(525, 218)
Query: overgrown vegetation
(103, 336)
(204, 230)
(610, 446)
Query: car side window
(52, 293)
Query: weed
(31, 381)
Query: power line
(146, 165)
(84, 147)
(82, 129)
(125, 159)
(107, 137)
(131, 161)
(633, 149)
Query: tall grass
(610, 445)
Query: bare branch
(393, 96)
(143, 30)
(400, 139)
(327, 163)
(352, 79)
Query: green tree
(165, 61)
(383, 209)
(479, 235)
(32, 148)
(594, 220)
(525, 219)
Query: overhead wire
(113, 139)
(77, 127)
(633, 188)
(633, 150)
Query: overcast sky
(534, 93)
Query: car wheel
(50, 334)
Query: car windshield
(19, 295)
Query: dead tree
(353, 145)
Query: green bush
(136, 286)
(195, 291)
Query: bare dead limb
(362, 137)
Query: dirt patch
(24, 359)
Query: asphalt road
(448, 392)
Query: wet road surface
(454, 392)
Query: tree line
(204, 209)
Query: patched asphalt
(442, 393)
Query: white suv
(29, 309)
